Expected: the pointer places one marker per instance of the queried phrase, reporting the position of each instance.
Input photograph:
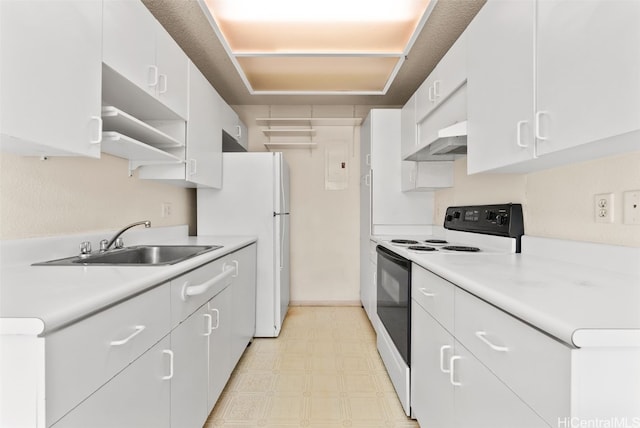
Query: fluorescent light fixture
(318, 46)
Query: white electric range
(477, 230)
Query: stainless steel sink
(142, 255)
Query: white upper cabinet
(444, 80)
(202, 166)
(50, 74)
(408, 128)
(389, 205)
(426, 176)
(137, 47)
(588, 65)
(129, 44)
(173, 64)
(500, 116)
(549, 76)
(204, 132)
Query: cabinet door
(408, 129)
(204, 132)
(50, 77)
(243, 291)
(137, 397)
(451, 71)
(408, 171)
(483, 401)
(243, 138)
(390, 206)
(189, 343)
(229, 119)
(219, 352)
(500, 67)
(173, 70)
(588, 70)
(431, 389)
(425, 100)
(129, 42)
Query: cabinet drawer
(434, 294)
(205, 282)
(137, 397)
(85, 355)
(533, 365)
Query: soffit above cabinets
(401, 72)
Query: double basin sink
(141, 255)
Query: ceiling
(188, 25)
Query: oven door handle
(388, 254)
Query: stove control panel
(502, 220)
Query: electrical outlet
(632, 207)
(166, 209)
(603, 208)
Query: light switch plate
(631, 201)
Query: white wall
(558, 203)
(64, 195)
(324, 223)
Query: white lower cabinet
(189, 344)
(481, 400)
(220, 364)
(137, 397)
(243, 301)
(431, 389)
(451, 386)
(159, 359)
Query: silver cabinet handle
(481, 335)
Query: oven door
(394, 298)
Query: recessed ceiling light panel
(365, 38)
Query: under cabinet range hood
(451, 141)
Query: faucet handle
(85, 248)
(103, 245)
(119, 243)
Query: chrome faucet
(105, 245)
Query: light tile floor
(323, 371)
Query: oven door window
(393, 300)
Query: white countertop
(39, 299)
(577, 304)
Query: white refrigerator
(254, 200)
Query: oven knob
(456, 214)
(449, 217)
(501, 219)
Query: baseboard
(325, 303)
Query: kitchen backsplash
(558, 203)
(61, 196)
